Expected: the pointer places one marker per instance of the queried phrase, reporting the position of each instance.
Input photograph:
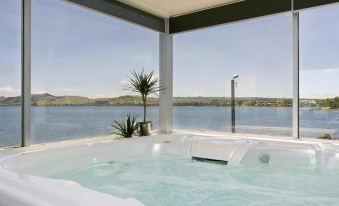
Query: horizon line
(174, 96)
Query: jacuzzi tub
(67, 175)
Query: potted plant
(126, 128)
(144, 84)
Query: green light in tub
(313, 162)
(94, 160)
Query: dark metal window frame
(239, 11)
(122, 11)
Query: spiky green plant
(126, 128)
(144, 84)
(325, 136)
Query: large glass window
(10, 73)
(319, 72)
(80, 61)
(205, 61)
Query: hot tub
(178, 169)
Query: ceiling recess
(171, 8)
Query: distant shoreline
(48, 100)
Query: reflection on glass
(319, 73)
(10, 75)
(205, 62)
(81, 60)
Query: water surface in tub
(161, 180)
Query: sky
(76, 51)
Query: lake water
(64, 123)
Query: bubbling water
(162, 180)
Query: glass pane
(205, 61)
(10, 73)
(319, 73)
(81, 60)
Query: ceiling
(188, 15)
(170, 8)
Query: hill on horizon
(47, 99)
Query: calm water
(64, 123)
(168, 180)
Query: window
(10, 73)
(205, 61)
(80, 62)
(319, 73)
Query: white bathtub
(24, 175)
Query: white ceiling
(170, 8)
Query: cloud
(124, 82)
(325, 71)
(99, 96)
(198, 94)
(71, 91)
(38, 91)
(8, 89)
